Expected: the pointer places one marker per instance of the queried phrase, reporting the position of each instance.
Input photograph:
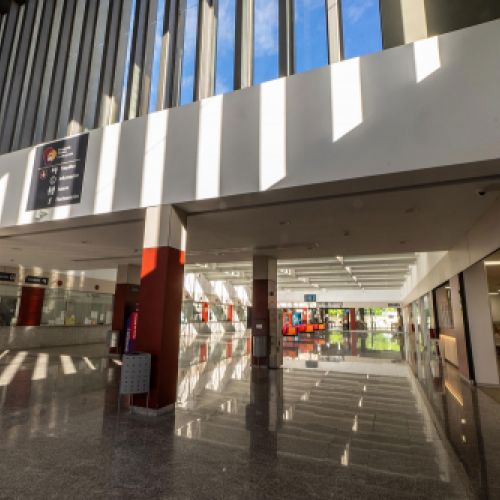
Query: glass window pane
(189, 55)
(127, 64)
(155, 72)
(266, 48)
(361, 27)
(224, 77)
(311, 46)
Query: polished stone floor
(236, 433)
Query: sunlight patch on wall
(154, 159)
(3, 191)
(272, 139)
(23, 216)
(209, 146)
(106, 176)
(347, 99)
(427, 57)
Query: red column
(160, 302)
(266, 345)
(30, 307)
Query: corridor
(290, 433)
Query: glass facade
(311, 43)
(189, 53)
(224, 72)
(266, 46)
(361, 27)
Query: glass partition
(9, 303)
(72, 308)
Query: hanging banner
(57, 178)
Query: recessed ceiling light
(402, 242)
(285, 223)
(409, 210)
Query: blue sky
(361, 27)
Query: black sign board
(7, 276)
(310, 297)
(57, 177)
(36, 280)
(394, 305)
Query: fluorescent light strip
(10, 371)
(42, 363)
(67, 365)
(4, 354)
(89, 363)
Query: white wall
(433, 269)
(428, 104)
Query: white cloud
(266, 27)
(356, 9)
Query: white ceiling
(390, 225)
(382, 272)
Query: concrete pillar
(243, 57)
(480, 325)
(30, 306)
(205, 50)
(286, 38)
(126, 299)
(160, 302)
(266, 336)
(334, 30)
(403, 21)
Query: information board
(36, 280)
(309, 297)
(58, 171)
(7, 276)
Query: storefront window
(70, 308)
(9, 302)
(311, 47)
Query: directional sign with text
(58, 171)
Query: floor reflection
(237, 432)
(470, 420)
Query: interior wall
(481, 240)
(495, 307)
(385, 113)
